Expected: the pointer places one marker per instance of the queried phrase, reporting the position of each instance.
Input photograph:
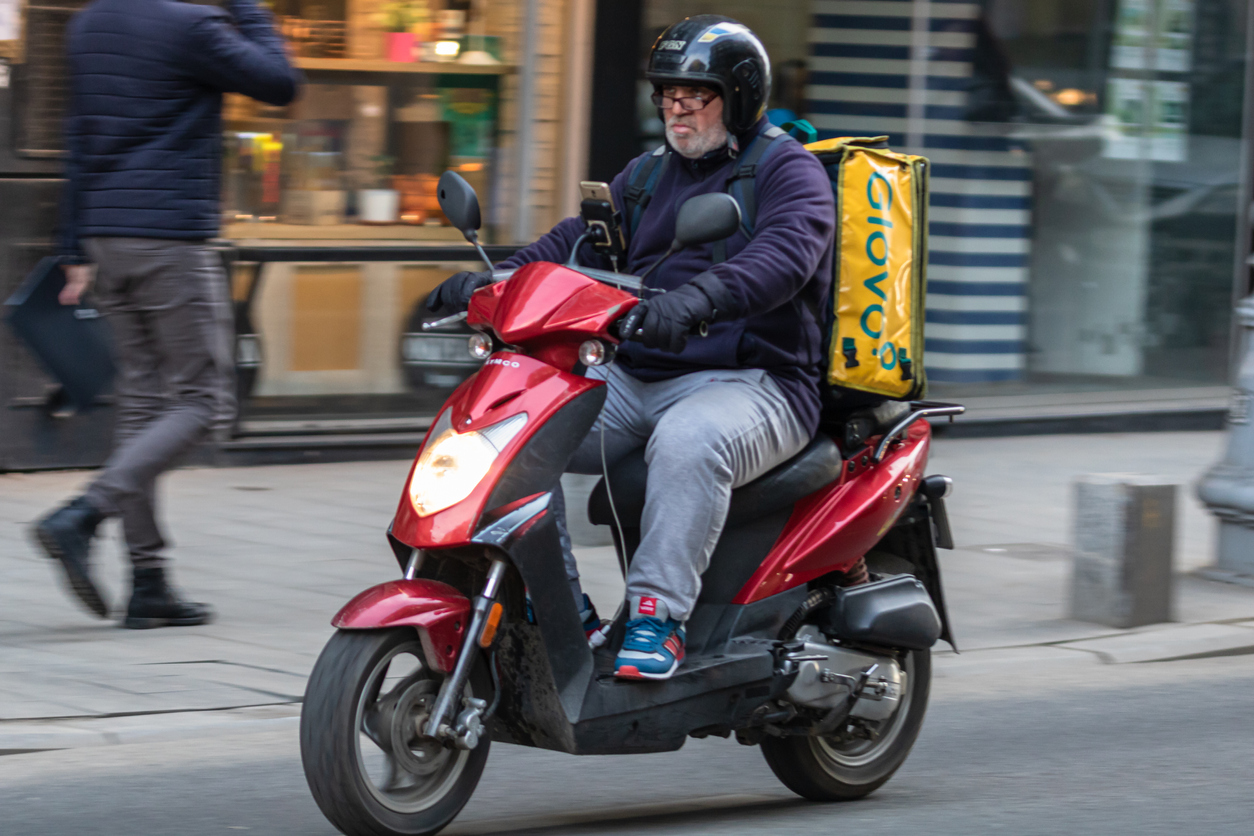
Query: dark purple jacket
(771, 277)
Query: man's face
(693, 133)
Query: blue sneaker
(653, 647)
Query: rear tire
(371, 685)
(832, 769)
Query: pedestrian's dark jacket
(144, 131)
(772, 277)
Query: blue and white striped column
(902, 68)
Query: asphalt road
(1011, 745)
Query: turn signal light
(596, 353)
(490, 624)
(480, 346)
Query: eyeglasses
(689, 104)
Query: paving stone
(1187, 641)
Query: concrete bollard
(1228, 487)
(1124, 549)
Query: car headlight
(452, 463)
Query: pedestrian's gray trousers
(704, 434)
(167, 304)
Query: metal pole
(1228, 487)
(1245, 194)
(525, 135)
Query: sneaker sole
(80, 584)
(632, 672)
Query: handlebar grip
(700, 329)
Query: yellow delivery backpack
(875, 319)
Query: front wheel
(854, 763)
(368, 767)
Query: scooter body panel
(437, 610)
(515, 384)
(561, 695)
(830, 530)
(548, 311)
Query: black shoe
(155, 604)
(65, 535)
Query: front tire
(836, 768)
(369, 771)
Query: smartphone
(598, 212)
(595, 190)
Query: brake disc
(414, 752)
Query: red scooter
(811, 636)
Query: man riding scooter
(714, 412)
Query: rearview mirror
(459, 203)
(706, 218)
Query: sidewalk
(278, 549)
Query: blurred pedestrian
(140, 202)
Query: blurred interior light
(1043, 84)
(447, 49)
(1070, 97)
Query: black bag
(72, 342)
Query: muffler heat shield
(894, 612)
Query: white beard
(698, 145)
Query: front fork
(464, 732)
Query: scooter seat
(817, 465)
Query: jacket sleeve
(241, 53)
(68, 244)
(796, 219)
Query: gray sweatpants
(704, 434)
(167, 304)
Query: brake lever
(448, 320)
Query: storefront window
(398, 92)
(1085, 163)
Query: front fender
(438, 611)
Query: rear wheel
(369, 768)
(858, 759)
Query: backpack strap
(741, 183)
(640, 187)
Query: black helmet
(716, 51)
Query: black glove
(453, 294)
(665, 321)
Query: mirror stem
(472, 235)
(675, 247)
(573, 261)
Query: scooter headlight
(453, 463)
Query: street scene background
(1089, 237)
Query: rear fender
(913, 540)
(438, 611)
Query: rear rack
(918, 409)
